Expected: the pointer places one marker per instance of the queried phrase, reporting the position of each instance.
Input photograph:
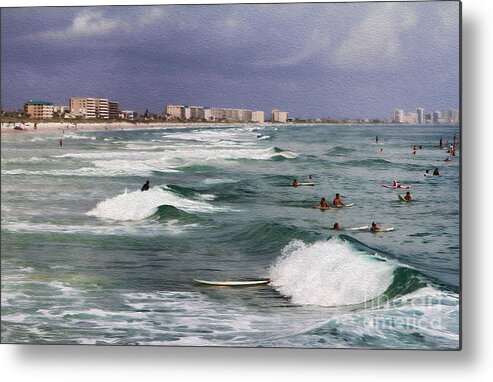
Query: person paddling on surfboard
(436, 172)
(408, 197)
(323, 203)
(145, 187)
(374, 227)
(295, 183)
(337, 202)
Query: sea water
(87, 258)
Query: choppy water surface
(87, 258)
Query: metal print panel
(239, 175)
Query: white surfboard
(362, 228)
(384, 230)
(346, 205)
(233, 283)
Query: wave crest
(330, 273)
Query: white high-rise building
(399, 116)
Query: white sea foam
(329, 273)
(139, 205)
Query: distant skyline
(356, 60)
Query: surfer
(396, 184)
(376, 140)
(323, 203)
(441, 143)
(436, 172)
(408, 197)
(427, 173)
(375, 228)
(145, 187)
(335, 227)
(60, 142)
(295, 183)
(337, 202)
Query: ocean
(88, 258)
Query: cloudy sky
(336, 60)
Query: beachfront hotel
(38, 109)
(93, 108)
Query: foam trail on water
(138, 205)
(329, 273)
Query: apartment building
(257, 116)
(113, 110)
(38, 109)
(175, 112)
(279, 116)
(90, 107)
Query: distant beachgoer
(323, 203)
(60, 142)
(381, 151)
(441, 144)
(310, 177)
(408, 197)
(420, 147)
(145, 187)
(414, 152)
(427, 173)
(295, 183)
(376, 140)
(436, 172)
(335, 227)
(337, 202)
(35, 126)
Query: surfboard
(323, 208)
(346, 205)
(306, 184)
(384, 230)
(233, 282)
(362, 228)
(396, 187)
(401, 198)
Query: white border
(78, 363)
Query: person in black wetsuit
(145, 187)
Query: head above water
(337, 195)
(336, 226)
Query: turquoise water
(87, 258)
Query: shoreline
(48, 127)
